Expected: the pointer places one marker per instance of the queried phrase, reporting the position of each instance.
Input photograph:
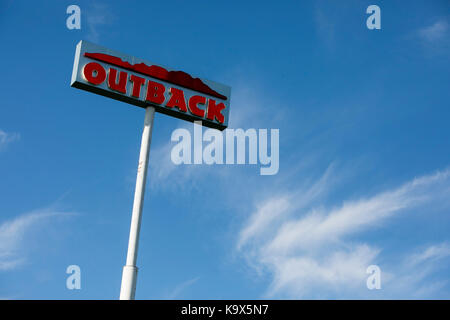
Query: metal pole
(129, 275)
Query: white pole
(130, 270)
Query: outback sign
(142, 83)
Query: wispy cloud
(14, 234)
(175, 293)
(413, 271)
(274, 211)
(435, 38)
(438, 31)
(98, 15)
(325, 26)
(434, 253)
(7, 138)
(309, 251)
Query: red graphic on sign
(176, 77)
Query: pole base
(128, 287)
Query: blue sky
(364, 172)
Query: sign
(142, 83)
(155, 88)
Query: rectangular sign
(142, 83)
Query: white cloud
(432, 253)
(318, 227)
(7, 138)
(296, 276)
(325, 26)
(309, 253)
(273, 212)
(436, 32)
(180, 288)
(413, 271)
(263, 218)
(13, 235)
(97, 15)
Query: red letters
(177, 99)
(112, 78)
(155, 92)
(214, 111)
(193, 102)
(90, 69)
(137, 83)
